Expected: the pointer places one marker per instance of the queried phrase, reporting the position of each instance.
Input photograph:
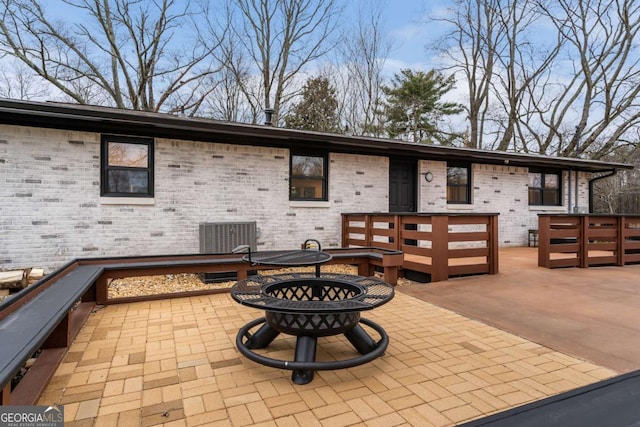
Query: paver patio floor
(174, 363)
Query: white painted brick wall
(498, 189)
(51, 211)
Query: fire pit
(308, 306)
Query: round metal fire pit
(306, 293)
(312, 291)
(309, 306)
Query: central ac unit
(223, 237)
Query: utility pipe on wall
(576, 204)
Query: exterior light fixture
(428, 176)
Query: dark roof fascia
(129, 122)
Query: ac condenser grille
(223, 237)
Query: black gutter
(161, 125)
(612, 172)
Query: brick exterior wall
(499, 189)
(51, 210)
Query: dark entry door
(402, 186)
(402, 191)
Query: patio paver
(174, 362)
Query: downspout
(576, 207)
(612, 172)
(569, 196)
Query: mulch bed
(173, 283)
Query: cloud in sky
(412, 31)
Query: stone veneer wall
(501, 189)
(51, 210)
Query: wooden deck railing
(588, 240)
(441, 245)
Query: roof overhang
(129, 122)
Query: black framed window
(126, 166)
(544, 188)
(308, 177)
(458, 183)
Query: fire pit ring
(304, 366)
(309, 306)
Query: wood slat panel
(603, 246)
(469, 236)
(604, 233)
(356, 230)
(416, 250)
(383, 245)
(439, 235)
(416, 266)
(387, 219)
(564, 248)
(564, 233)
(602, 260)
(356, 217)
(564, 221)
(631, 258)
(382, 232)
(468, 252)
(356, 242)
(468, 220)
(416, 220)
(560, 263)
(417, 235)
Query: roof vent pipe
(268, 116)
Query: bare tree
(552, 77)
(522, 64)
(597, 107)
(620, 192)
(17, 81)
(362, 53)
(281, 38)
(125, 53)
(471, 47)
(233, 80)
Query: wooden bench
(49, 314)
(47, 319)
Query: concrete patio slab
(589, 313)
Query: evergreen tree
(318, 108)
(414, 110)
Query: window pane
(128, 181)
(457, 194)
(535, 180)
(535, 196)
(306, 189)
(457, 176)
(551, 180)
(128, 155)
(307, 166)
(551, 197)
